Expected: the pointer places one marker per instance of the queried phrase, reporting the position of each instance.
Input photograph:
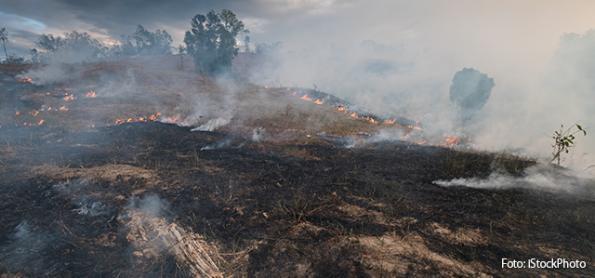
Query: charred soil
(82, 196)
(270, 209)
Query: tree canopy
(211, 41)
(145, 42)
(470, 90)
(74, 43)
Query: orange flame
(150, 118)
(371, 120)
(91, 94)
(451, 140)
(389, 121)
(68, 97)
(25, 79)
(306, 98)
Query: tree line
(212, 42)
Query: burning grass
(287, 190)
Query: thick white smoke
(539, 177)
(399, 59)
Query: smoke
(153, 235)
(84, 203)
(212, 124)
(217, 145)
(540, 178)
(150, 205)
(27, 249)
(214, 109)
(258, 134)
(398, 59)
(402, 63)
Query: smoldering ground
(545, 178)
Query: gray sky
(480, 23)
(453, 29)
(107, 19)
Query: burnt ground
(272, 209)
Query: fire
(451, 140)
(306, 98)
(171, 119)
(389, 121)
(91, 94)
(150, 118)
(154, 117)
(354, 115)
(25, 79)
(371, 120)
(68, 97)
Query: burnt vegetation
(294, 183)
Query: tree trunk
(4, 46)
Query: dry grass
(110, 173)
(398, 255)
(152, 236)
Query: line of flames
(448, 141)
(67, 97)
(143, 119)
(354, 115)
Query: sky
(529, 22)
(499, 36)
(390, 56)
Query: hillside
(139, 168)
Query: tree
(212, 41)
(49, 42)
(181, 51)
(4, 39)
(470, 91)
(145, 42)
(75, 45)
(564, 140)
(246, 41)
(34, 56)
